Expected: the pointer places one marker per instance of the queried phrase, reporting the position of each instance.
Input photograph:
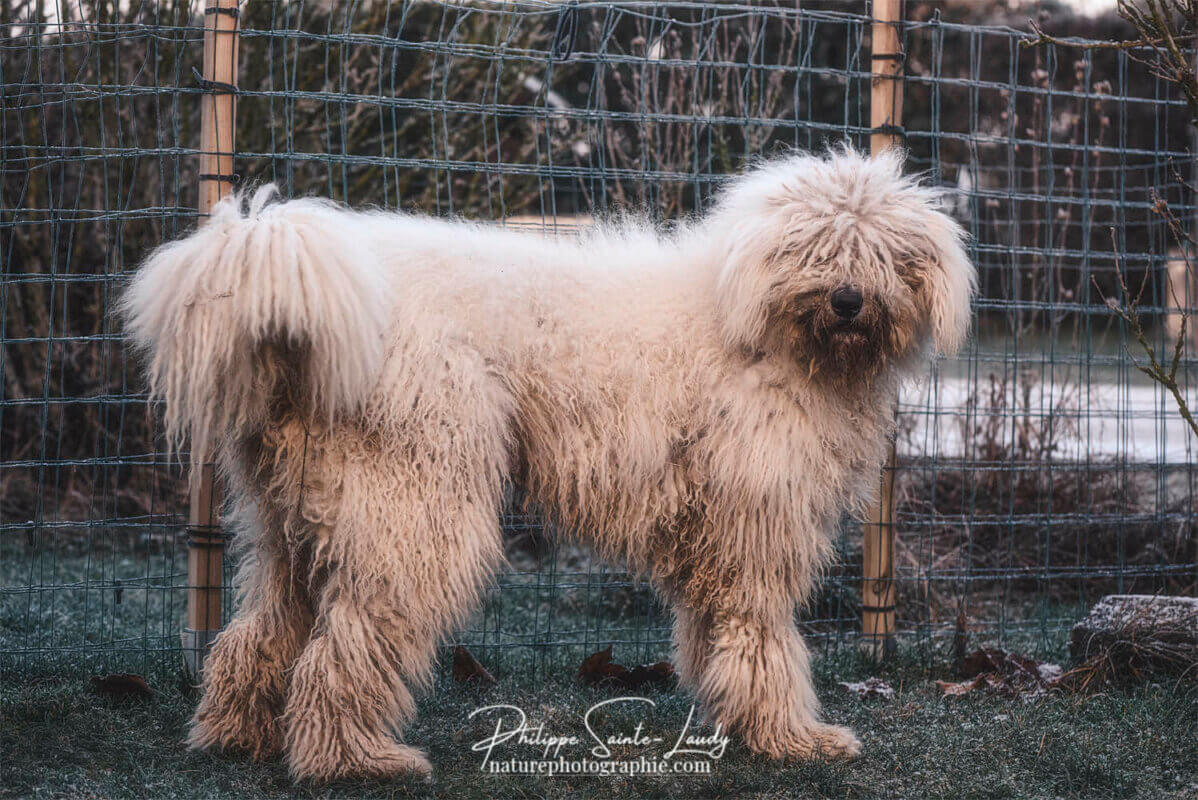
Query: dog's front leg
(757, 681)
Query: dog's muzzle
(846, 302)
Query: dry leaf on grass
(993, 659)
(466, 668)
(989, 681)
(599, 670)
(995, 670)
(122, 686)
(592, 667)
(869, 688)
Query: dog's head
(842, 264)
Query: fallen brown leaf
(122, 686)
(995, 670)
(657, 674)
(611, 674)
(592, 666)
(466, 668)
(598, 669)
(664, 669)
(993, 659)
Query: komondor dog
(701, 404)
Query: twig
(1162, 25)
(1086, 44)
(1155, 370)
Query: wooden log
(1140, 632)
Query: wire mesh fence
(1036, 471)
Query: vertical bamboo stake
(885, 119)
(206, 544)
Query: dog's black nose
(846, 302)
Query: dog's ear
(748, 284)
(944, 280)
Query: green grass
(58, 739)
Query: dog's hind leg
(416, 536)
(757, 681)
(347, 692)
(244, 683)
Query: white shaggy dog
(700, 405)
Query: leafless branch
(1164, 26)
(1164, 374)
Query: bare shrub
(1019, 518)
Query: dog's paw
(834, 741)
(398, 760)
(250, 728)
(815, 741)
(370, 758)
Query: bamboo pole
(886, 118)
(206, 543)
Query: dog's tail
(266, 304)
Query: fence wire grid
(1036, 471)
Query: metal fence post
(205, 541)
(885, 119)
